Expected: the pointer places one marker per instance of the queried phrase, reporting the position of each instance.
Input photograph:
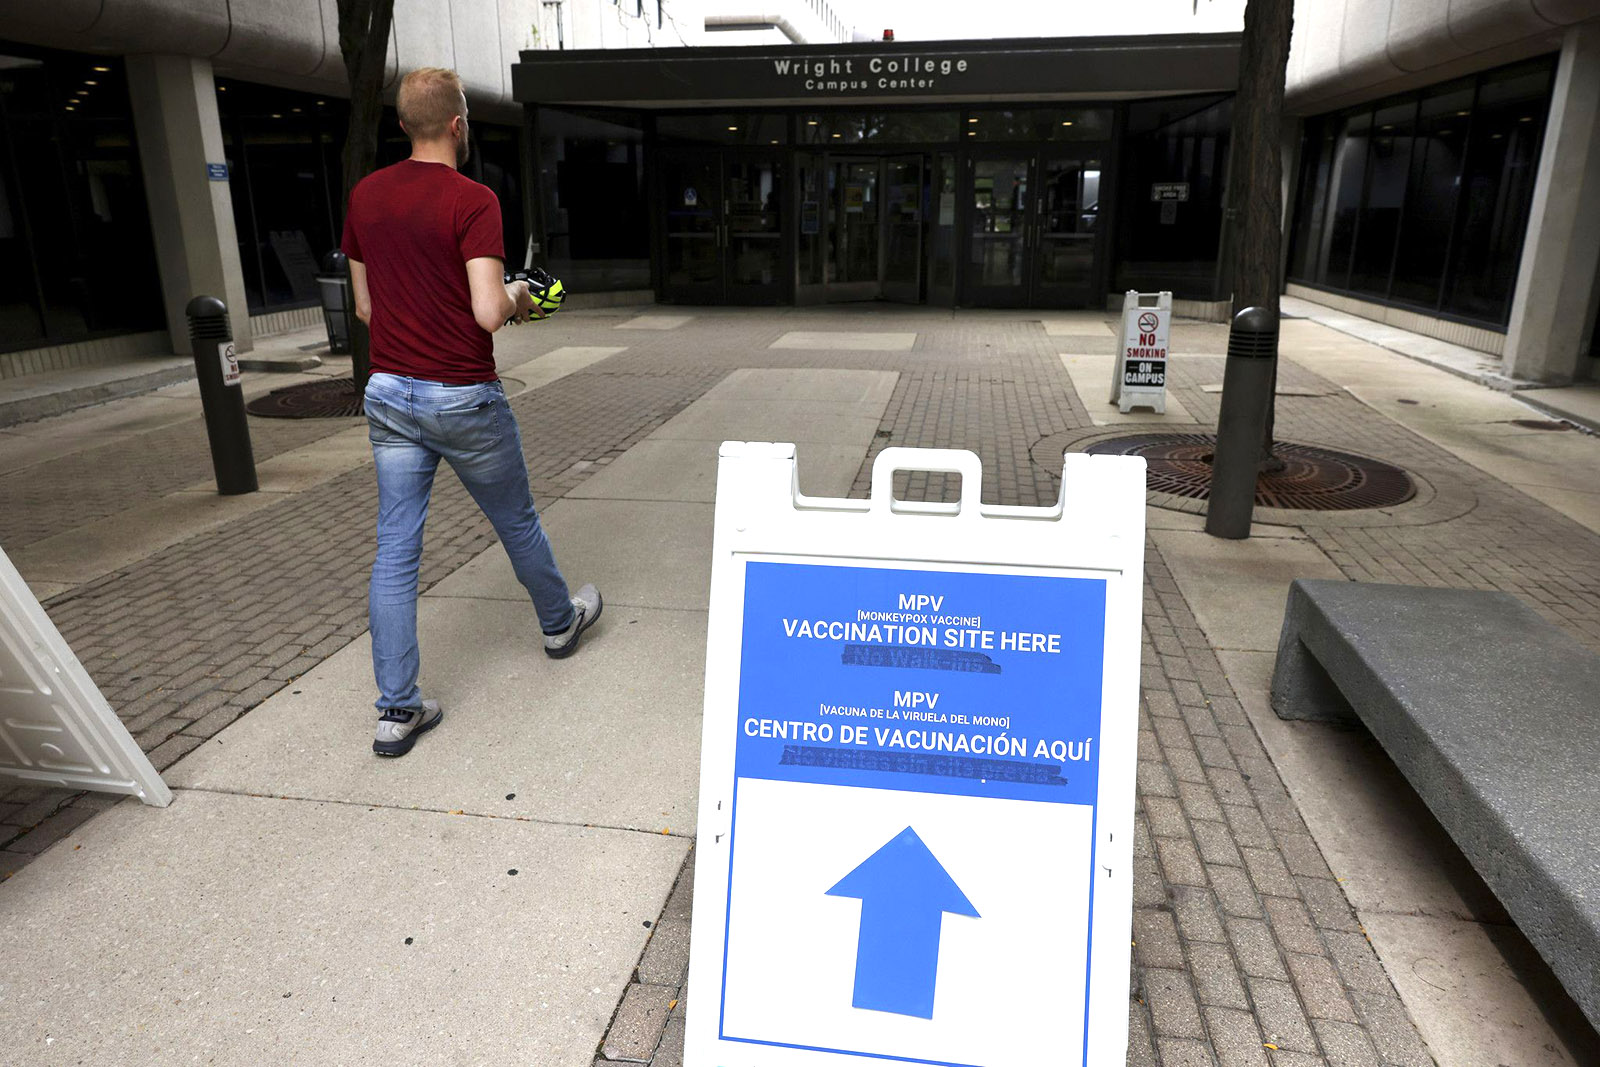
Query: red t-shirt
(414, 225)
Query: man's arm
(493, 301)
(358, 285)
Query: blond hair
(429, 98)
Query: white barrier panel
(1139, 373)
(55, 726)
(917, 773)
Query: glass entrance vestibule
(822, 207)
(1020, 173)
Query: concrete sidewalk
(506, 892)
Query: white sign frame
(1096, 529)
(1136, 305)
(55, 725)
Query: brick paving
(120, 474)
(1247, 951)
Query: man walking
(426, 265)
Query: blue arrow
(904, 893)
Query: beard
(463, 151)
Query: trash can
(337, 309)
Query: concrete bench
(1493, 716)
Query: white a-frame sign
(917, 781)
(55, 726)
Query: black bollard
(221, 396)
(1246, 393)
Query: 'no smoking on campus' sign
(917, 771)
(1139, 377)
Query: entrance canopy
(891, 72)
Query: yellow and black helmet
(546, 290)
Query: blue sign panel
(916, 771)
(984, 685)
(217, 172)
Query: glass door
(752, 188)
(902, 224)
(854, 232)
(692, 189)
(724, 227)
(1067, 235)
(998, 273)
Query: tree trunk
(364, 44)
(1257, 193)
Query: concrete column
(1553, 309)
(191, 214)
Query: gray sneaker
(586, 606)
(398, 728)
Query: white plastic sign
(230, 363)
(917, 775)
(1139, 373)
(55, 726)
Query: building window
(76, 255)
(1436, 155)
(1170, 195)
(284, 172)
(725, 128)
(496, 161)
(835, 128)
(1040, 124)
(1422, 200)
(592, 199)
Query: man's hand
(522, 298)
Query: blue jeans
(413, 424)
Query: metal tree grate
(1313, 479)
(333, 398)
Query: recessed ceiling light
(774, 142)
(90, 81)
(972, 133)
(1462, 114)
(71, 107)
(838, 135)
(222, 88)
(103, 70)
(733, 129)
(1066, 124)
(972, 120)
(277, 116)
(1526, 118)
(811, 122)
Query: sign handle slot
(932, 461)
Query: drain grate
(1313, 479)
(332, 398)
